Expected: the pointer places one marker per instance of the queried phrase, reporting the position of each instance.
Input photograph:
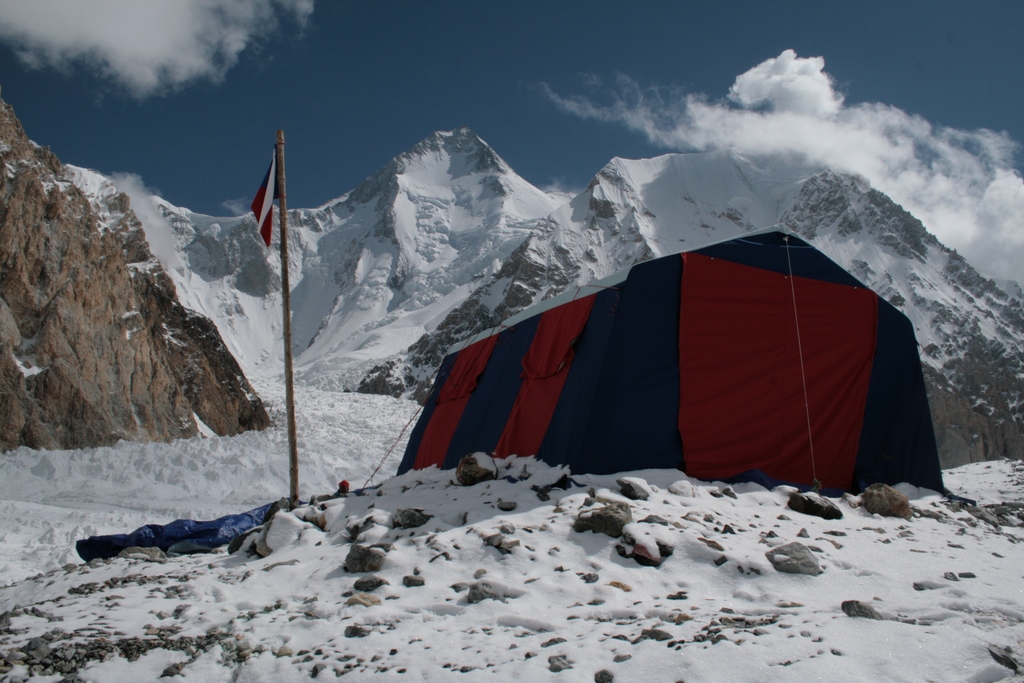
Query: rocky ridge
(94, 345)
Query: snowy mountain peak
(463, 145)
(440, 158)
(447, 240)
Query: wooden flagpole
(293, 449)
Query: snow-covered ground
(947, 584)
(50, 499)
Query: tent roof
(595, 287)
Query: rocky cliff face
(94, 346)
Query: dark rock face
(94, 345)
(382, 380)
(967, 431)
(209, 375)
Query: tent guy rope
(803, 374)
(388, 452)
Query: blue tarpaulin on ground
(209, 534)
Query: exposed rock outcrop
(94, 345)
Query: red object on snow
(343, 486)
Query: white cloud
(159, 232)
(239, 206)
(558, 186)
(147, 46)
(788, 83)
(961, 184)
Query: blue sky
(188, 95)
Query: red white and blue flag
(263, 205)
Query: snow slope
(50, 499)
(947, 583)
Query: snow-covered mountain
(446, 240)
(374, 270)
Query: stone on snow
(856, 608)
(150, 554)
(647, 551)
(794, 558)
(558, 663)
(813, 504)
(503, 543)
(356, 631)
(283, 530)
(634, 488)
(882, 499)
(475, 468)
(608, 519)
(364, 599)
(368, 584)
(410, 518)
(483, 590)
(362, 559)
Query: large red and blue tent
(757, 358)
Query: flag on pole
(263, 204)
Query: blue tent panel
(564, 441)
(633, 422)
(490, 404)
(897, 441)
(428, 412)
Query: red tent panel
(452, 400)
(545, 369)
(741, 394)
